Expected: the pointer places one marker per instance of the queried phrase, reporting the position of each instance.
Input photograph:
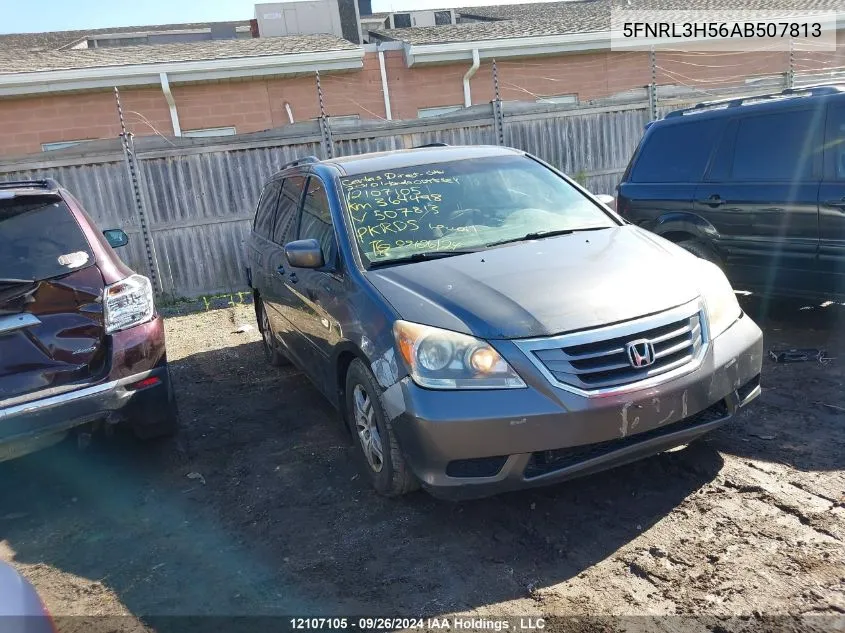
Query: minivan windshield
(39, 239)
(462, 206)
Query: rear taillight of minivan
(128, 303)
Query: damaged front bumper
(466, 444)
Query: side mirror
(607, 199)
(116, 237)
(304, 254)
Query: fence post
(790, 71)
(325, 131)
(498, 113)
(652, 87)
(132, 169)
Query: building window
(49, 147)
(442, 17)
(210, 131)
(558, 99)
(401, 20)
(424, 113)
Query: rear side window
(316, 221)
(778, 146)
(40, 239)
(264, 215)
(288, 208)
(676, 153)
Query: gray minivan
(483, 323)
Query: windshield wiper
(419, 257)
(541, 234)
(9, 280)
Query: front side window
(316, 220)
(461, 205)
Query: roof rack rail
(430, 145)
(44, 183)
(806, 91)
(304, 160)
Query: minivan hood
(543, 287)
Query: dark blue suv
(755, 185)
(483, 323)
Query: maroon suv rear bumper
(136, 390)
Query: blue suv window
(676, 152)
(778, 146)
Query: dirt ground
(259, 508)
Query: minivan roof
(14, 187)
(399, 159)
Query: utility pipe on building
(384, 90)
(476, 62)
(171, 103)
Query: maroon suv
(80, 340)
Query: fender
(387, 369)
(683, 222)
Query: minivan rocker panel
(532, 289)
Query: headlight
(441, 359)
(722, 306)
(127, 303)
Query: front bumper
(465, 444)
(137, 354)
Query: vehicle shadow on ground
(799, 420)
(261, 508)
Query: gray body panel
(524, 290)
(543, 287)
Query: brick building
(56, 88)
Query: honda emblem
(640, 353)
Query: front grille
(549, 461)
(598, 359)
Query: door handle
(835, 203)
(714, 201)
(281, 270)
(293, 277)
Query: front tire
(373, 434)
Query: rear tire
(373, 434)
(702, 251)
(272, 353)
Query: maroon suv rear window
(40, 239)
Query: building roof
(573, 16)
(55, 40)
(18, 60)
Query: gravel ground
(259, 507)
